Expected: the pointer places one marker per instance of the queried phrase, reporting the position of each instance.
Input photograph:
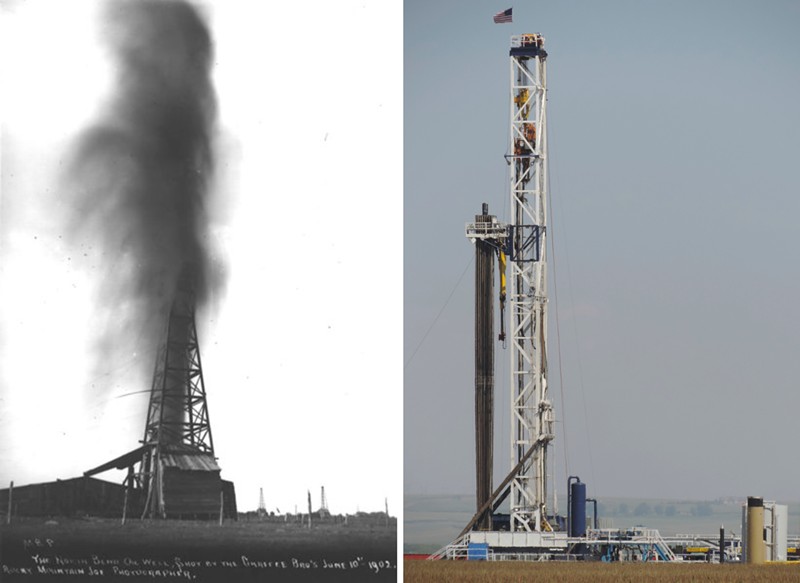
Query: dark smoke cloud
(142, 171)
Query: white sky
(302, 354)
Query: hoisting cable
(577, 342)
(558, 325)
(560, 367)
(580, 381)
(436, 319)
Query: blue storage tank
(577, 510)
(478, 551)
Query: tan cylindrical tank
(756, 549)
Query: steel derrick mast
(531, 411)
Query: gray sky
(674, 140)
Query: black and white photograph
(200, 290)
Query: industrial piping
(484, 368)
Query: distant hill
(432, 520)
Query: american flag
(502, 17)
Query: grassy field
(511, 572)
(72, 549)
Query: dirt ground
(595, 572)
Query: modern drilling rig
(532, 529)
(520, 246)
(521, 251)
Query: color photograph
(599, 289)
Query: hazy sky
(298, 391)
(674, 140)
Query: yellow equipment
(501, 264)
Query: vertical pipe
(10, 497)
(578, 509)
(756, 550)
(221, 505)
(128, 482)
(125, 506)
(162, 505)
(721, 544)
(484, 368)
(594, 503)
(147, 465)
(569, 503)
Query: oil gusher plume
(143, 168)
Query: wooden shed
(191, 485)
(72, 497)
(176, 481)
